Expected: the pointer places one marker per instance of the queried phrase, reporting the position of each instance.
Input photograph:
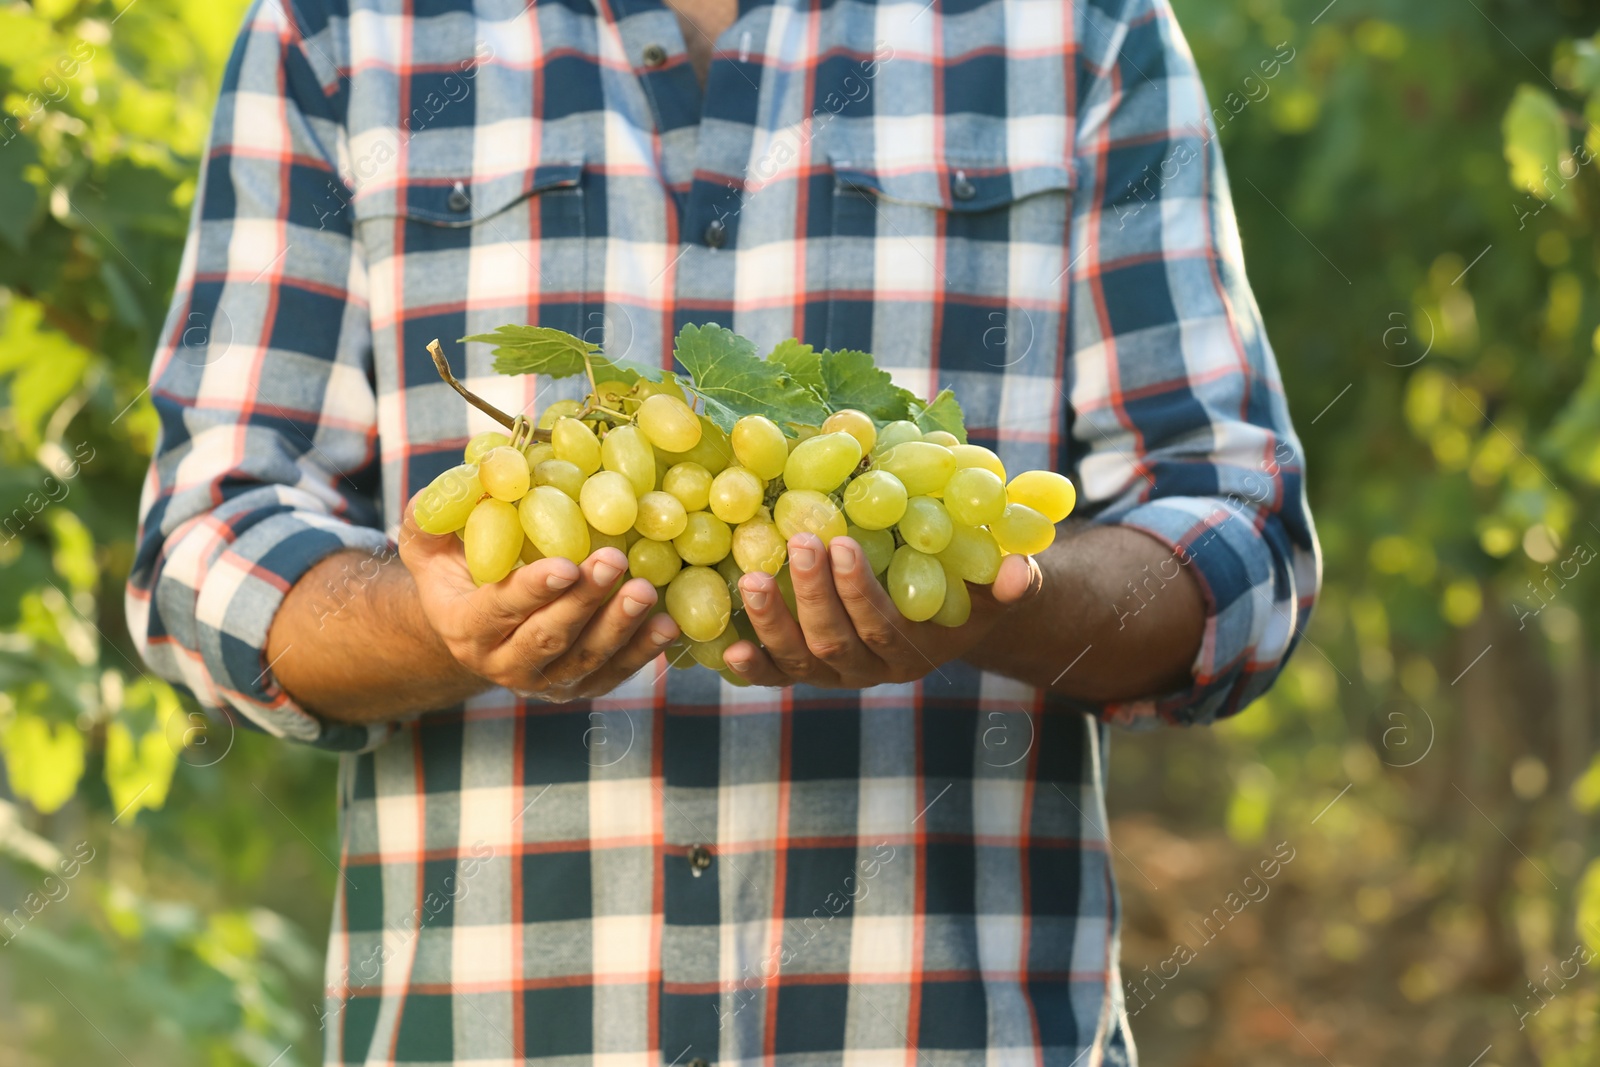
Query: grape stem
(442, 365)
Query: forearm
(1086, 635)
(351, 643)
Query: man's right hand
(547, 630)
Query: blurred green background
(1418, 202)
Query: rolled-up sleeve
(263, 387)
(1179, 424)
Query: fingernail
(844, 559)
(662, 634)
(634, 608)
(741, 666)
(605, 573)
(803, 556)
(755, 599)
(559, 582)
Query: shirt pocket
(491, 250)
(953, 274)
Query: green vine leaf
(943, 413)
(853, 380)
(803, 362)
(557, 354)
(733, 381)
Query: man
(892, 847)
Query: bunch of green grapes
(694, 508)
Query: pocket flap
(457, 200)
(953, 185)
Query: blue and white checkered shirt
(1019, 199)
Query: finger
(551, 630)
(648, 643)
(438, 556)
(867, 603)
(1020, 579)
(779, 632)
(611, 628)
(508, 603)
(829, 630)
(750, 662)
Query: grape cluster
(694, 508)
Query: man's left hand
(849, 634)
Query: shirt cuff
(239, 596)
(1251, 607)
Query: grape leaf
(801, 361)
(944, 413)
(853, 380)
(557, 354)
(734, 382)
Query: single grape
(668, 423)
(530, 552)
(926, 525)
(736, 494)
(654, 561)
(492, 540)
(957, 606)
(690, 483)
(599, 540)
(504, 473)
(973, 554)
(713, 452)
(975, 496)
(942, 437)
(444, 505)
(978, 456)
(807, 511)
(613, 394)
(924, 468)
(728, 567)
(760, 446)
(482, 443)
(801, 435)
(561, 474)
(537, 452)
(710, 653)
(1046, 492)
(554, 522)
(857, 424)
(560, 409)
(758, 546)
(876, 545)
(1022, 530)
(822, 463)
(644, 388)
(626, 451)
(608, 502)
(574, 443)
(704, 541)
(897, 433)
(916, 583)
(661, 516)
(875, 500)
(697, 599)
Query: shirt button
(654, 55)
(716, 234)
(699, 860)
(961, 188)
(458, 200)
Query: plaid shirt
(1019, 199)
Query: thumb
(1020, 579)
